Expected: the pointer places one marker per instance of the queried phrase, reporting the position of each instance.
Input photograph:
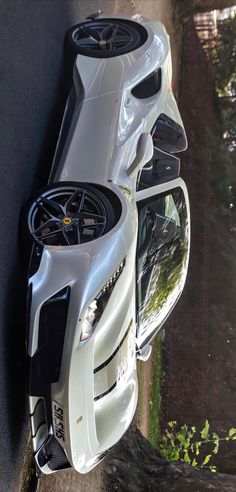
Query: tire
(105, 38)
(66, 214)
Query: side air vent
(149, 86)
(45, 365)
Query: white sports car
(111, 237)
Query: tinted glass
(162, 258)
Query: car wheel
(105, 38)
(67, 214)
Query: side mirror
(143, 155)
(144, 353)
(169, 135)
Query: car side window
(158, 224)
(161, 257)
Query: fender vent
(149, 86)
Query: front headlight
(94, 311)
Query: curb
(28, 481)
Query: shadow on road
(32, 100)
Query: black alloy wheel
(105, 38)
(66, 215)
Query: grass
(141, 393)
(155, 400)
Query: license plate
(58, 420)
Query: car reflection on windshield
(162, 259)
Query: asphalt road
(32, 97)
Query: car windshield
(162, 258)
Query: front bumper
(69, 424)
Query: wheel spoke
(88, 215)
(112, 39)
(81, 205)
(118, 40)
(77, 235)
(43, 209)
(72, 199)
(46, 224)
(107, 32)
(102, 46)
(92, 34)
(114, 33)
(65, 236)
(50, 234)
(53, 205)
(96, 224)
(87, 43)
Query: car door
(162, 254)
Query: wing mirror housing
(144, 154)
(144, 353)
(169, 135)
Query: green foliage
(188, 445)
(227, 107)
(224, 57)
(224, 62)
(222, 211)
(205, 430)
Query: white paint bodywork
(100, 148)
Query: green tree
(224, 59)
(227, 107)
